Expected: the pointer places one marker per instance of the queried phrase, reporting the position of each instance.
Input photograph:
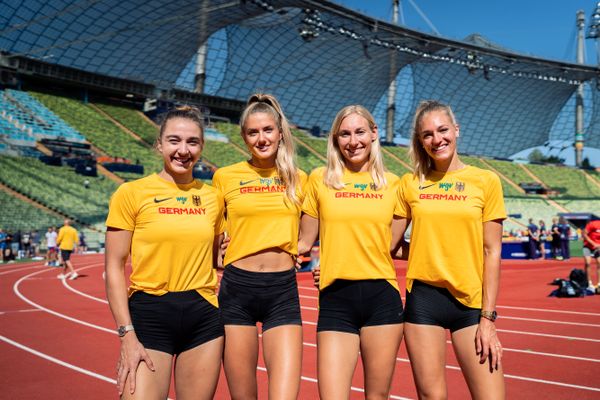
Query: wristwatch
(491, 315)
(123, 329)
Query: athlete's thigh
(484, 382)
(282, 351)
(337, 354)
(426, 345)
(379, 350)
(240, 359)
(151, 384)
(197, 370)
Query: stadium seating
(132, 120)
(221, 154)
(17, 214)
(232, 131)
(535, 208)
(33, 118)
(102, 132)
(59, 188)
(578, 205)
(400, 152)
(510, 170)
(569, 182)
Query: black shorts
(66, 254)
(174, 322)
(347, 306)
(430, 305)
(247, 297)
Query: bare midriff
(268, 260)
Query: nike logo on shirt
(425, 187)
(161, 200)
(242, 183)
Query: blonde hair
(285, 161)
(421, 162)
(335, 159)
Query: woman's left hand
(487, 344)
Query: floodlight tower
(594, 30)
(202, 52)
(391, 103)
(579, 93)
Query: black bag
(579, 276)
(566, 289)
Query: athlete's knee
(432, 392)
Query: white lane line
(353, 388)
(311, 323)
(538, 353)
(552, 321)
(20, 269)
(66, 284)
(314, 345)
(57, 361)
(544, 381)
(57, 314)
(19, 311)
(549, 335)
(550, 310)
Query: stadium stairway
(120, 125)
(504, 177)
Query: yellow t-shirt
(354, 226)
(173, 233)
(259, 214)
(67, 238)
(446, 245)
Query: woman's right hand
(316, 273)
(225, 244)
(132, 353)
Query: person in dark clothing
(534, 239)
(565, 232)
(555, 246)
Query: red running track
(57, 338)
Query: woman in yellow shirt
(453, 269)
(168, 223)
(262, 199)
(351, 204)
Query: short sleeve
(302, 186)
(494, 199)
(402, 208)
(220, 222)
(310, 205)
(122, 209)
(217, 181)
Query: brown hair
(187, 112)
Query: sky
(538, 28)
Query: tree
(585, 164)
(536, 156)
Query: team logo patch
(196, 200)
(421, 187)
(445, 185)
(460, 186)
(372, 186)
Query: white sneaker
(73, 276)
(61, 276)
